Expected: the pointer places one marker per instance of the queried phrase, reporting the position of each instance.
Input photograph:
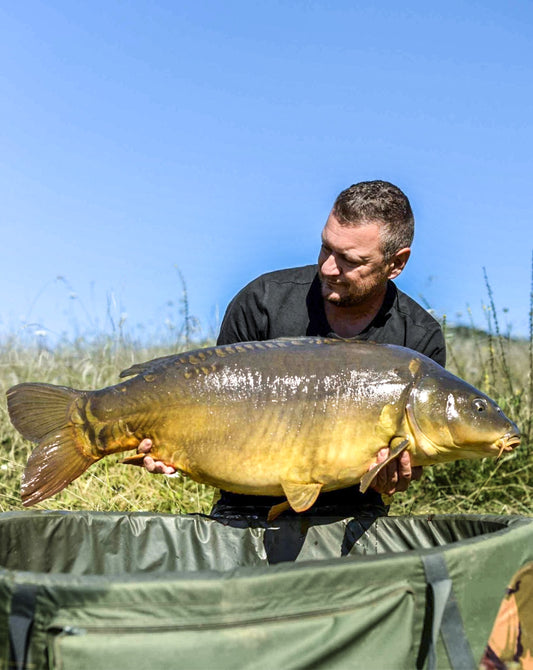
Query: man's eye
(352, 264)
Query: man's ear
(398, 262)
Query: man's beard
(343, 301)
(350, 296)
(349, 299)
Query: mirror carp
(287, 417)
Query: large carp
(280, 417)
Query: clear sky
(144, 139)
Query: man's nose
(329, 266)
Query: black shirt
(288, 303)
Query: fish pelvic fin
(300, 496)
(135, 459)
(368, 477)
(40, 412)
(278, 509)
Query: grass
(107, 485)
(488, 359)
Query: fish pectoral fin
(300, 496)
(369, 477)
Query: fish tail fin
(40, 412)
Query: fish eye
(479, 404)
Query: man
(366, 243)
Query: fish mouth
(507, 443)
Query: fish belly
(251, 450)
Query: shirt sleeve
(245, 319)
(433, 346)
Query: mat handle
(444, 617)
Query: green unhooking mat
(85, 590)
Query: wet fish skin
(281, 417)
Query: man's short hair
(378, 202)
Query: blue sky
(141, 140)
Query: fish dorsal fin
(134, 370)
(186, 359)
(300, 496)
(196, 358)
(369, 477)
(147, 366)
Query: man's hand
(153, 466)
(396, 475)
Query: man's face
(351, 266)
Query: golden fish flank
(282, 417)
